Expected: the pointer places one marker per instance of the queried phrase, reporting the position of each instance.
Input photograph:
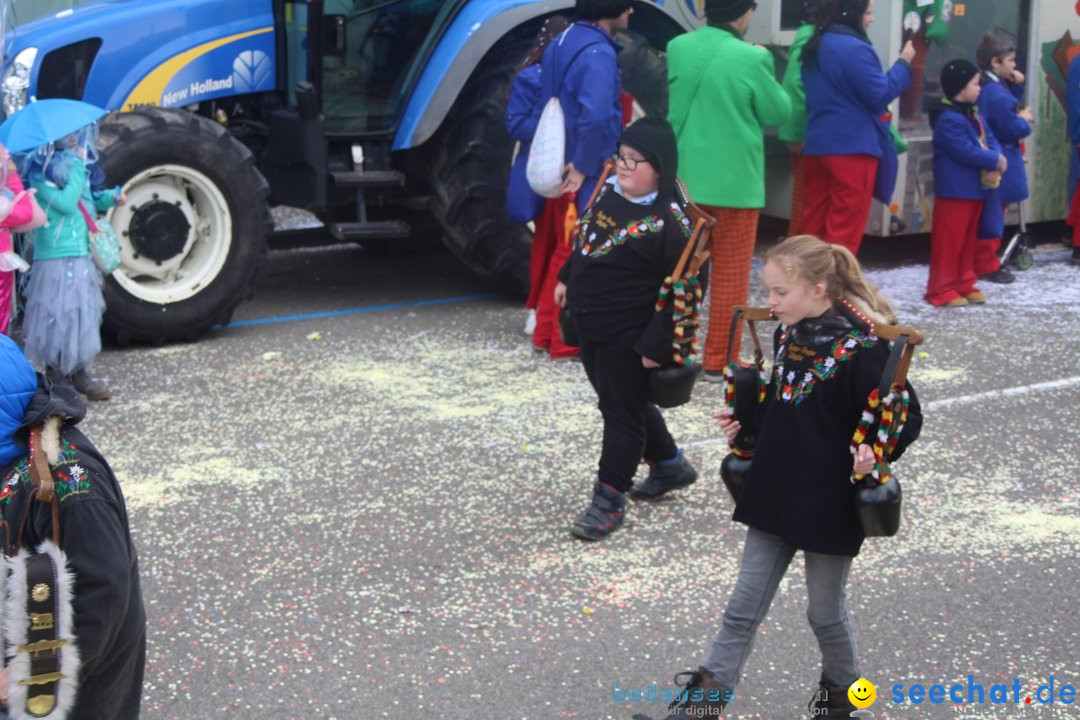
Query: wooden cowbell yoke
(879, 496)
(38, 588)
(672, 383)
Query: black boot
(702, 696)
(665, 476)
(92, 388)
(830, 701)
(604, 514)
(1000, 276)
(1075, 259)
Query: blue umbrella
(46, 121)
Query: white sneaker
(530, 322)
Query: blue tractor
(366, 112)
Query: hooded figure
(109, 622)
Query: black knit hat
(955, 75)
(653, 137)
(601, 9)
(726, 10)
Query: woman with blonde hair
(800, 493)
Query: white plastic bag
(544, 170)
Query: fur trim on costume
(15, 630)
(864, 308)
(50, 439)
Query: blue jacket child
(964, 146)
(998, 102)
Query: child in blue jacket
(1002, 89)
(967, 161)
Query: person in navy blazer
(847, 93)
(967, 160)
(999, 102)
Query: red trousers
(798, 196)
(1074, 215)
(986, 259)
(839, 190)
(952, 249)
(731, 247)
(551, 230)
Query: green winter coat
(722, 90)
(794, 130)
(66, 233)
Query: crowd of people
(604, 248)
(601, 254)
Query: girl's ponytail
(853, 286)
(814, 261)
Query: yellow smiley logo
(862, 693)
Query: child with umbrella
(64, 305)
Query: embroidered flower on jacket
(822, 368)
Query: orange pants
(731, 246)
(798, 196)
(839, 190)
(952, 249)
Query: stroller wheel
(1024, 258)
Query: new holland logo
(250, 69)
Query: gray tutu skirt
(62, 322)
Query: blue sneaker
(663, 477)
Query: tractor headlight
(16, 83)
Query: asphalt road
(354, 503)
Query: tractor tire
(193, 231)
(470, 169)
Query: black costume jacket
(622, 254)
(799, 485)
(110, 621)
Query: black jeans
(633, 426)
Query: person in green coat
(722, 90)
(793, 130)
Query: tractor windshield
(364, 81)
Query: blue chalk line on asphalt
(277, 319)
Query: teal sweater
(66, 233)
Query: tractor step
(382, 229)
(368, 179)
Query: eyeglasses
(630, 163)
